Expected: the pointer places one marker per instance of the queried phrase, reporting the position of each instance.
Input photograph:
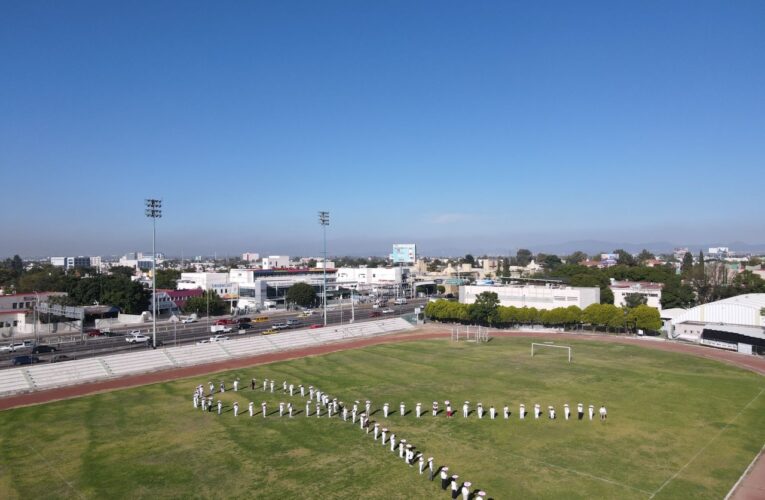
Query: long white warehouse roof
(740, 310)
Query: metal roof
(740, 310)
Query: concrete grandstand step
(14, 380)
(136, 362)
(68, 373)
(198, 354)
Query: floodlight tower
(324, 221)
(154, 212)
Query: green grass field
(679, 427)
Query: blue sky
(455, 125)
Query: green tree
(686, 268)
(484, 309)
(301, 294)
(644, 317)
(576, 257)
(551, 262)
(199, 304)
(168, 278)
(645, 255)
(635, 299)
(523, 257)
(441, 289)
(674, 294)
(468, 259)
(124, 271)
(625, 258)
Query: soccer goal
(475, 333)
(535, 345)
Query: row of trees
(487, 311)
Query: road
(170, 334)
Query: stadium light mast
(324, 221)
(154, 212)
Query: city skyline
(457, 127)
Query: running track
(751, 487)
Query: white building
(250, 257)
(719, 253)
(540, 297)
(73, 262)
(139, 260)
(735, 323)
(320, 264)
(651, 291)
(205, 281)
(276, 262)
(367, 276)
(270, 288)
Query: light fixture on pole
(324, 221)
(154, 212)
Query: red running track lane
(751, 487)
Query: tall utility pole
(324, 221)
(154, 212)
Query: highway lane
(169, 333)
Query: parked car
(25, 360)
(280, 326)
(218, 338)
(135, 338)
(60, 357)
(40, 349)
(188, 320)
(18, 346)
(388, 311)
(94, 332)
(293, 322)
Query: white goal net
(536, 346)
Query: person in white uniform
(435, 408)
(418, 409)
(422, 463)
(566, 411)
(251, 408)
(537, 410)
(455, 487)
(480, 410)
(384, 435)
(263, 408)
(591, 409)
(236, 385)
(308, 408)
(444, 478)
(466, 409)
(220, 407)
(386, 408)
(289, 409)
(393, 441)
(281, 409)
(401, 409)
(506, 412)
(376, 431)
(522, 411)
(236, 409)
(466, 490)
(580, 411)
(492, 412)
(603, 412)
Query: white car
(187, 320)
(133, 338)
(388, 311)
(218, 338)
(27, 344)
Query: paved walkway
(750, 487)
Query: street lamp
(154, 212)
(324, 221)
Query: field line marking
(725, 427)
(586, 474)
(751, 464)
(79, 494)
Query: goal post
(538, 345)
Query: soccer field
(678, 427)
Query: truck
(220, 329)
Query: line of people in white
(332, 406)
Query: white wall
(539, 297)
(205, 281)
(276, 261)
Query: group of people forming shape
(329, 406)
